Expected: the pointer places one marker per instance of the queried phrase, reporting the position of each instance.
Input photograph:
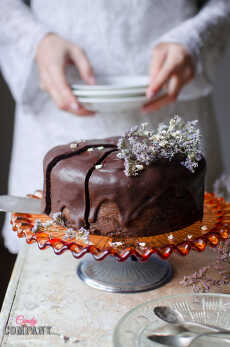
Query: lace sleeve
(205, 35)
(20, 33)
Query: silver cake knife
(20, 204)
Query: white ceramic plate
(114, 82)
(133, 329)
(128, 92)
(113, 104)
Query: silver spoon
(182, 341)
(170, 316)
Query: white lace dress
(118, 37)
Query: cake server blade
(20, 204)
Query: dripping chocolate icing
(164, 197)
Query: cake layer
(64, 182)
(88, 185)
(164, 197)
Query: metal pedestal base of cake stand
(129, 276)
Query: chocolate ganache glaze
(86, 182)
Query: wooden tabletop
(45, 287)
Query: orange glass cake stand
(132, 264)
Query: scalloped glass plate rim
(164, 250)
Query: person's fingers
(163, 76)
(158, 58)
(157, 103)
(188, 73)
(52, 56)
(174, 86)
(57, 87)
(81, 61)
(62, 103)
(175, 62)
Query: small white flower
(90, 149)
(99, 166)
(70, 234)
(204, 227)
(47, 224)
(116, 243)
(142, 244)
(83, 231)
(139, 167)
(73, 145)
(189, 236)
(82, 234)
(170, 237)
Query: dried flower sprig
(70, 234)
(204, 279)
(37, 226)
(58, 218)
(83, 235)
(198, 280)
(141, 146)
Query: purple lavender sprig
(202, 280)
(140, 146)
(198, 280)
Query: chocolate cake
(110, 189)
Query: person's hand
(171, 67)
(53, 54)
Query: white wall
(222, 106)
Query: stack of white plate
(112, 94)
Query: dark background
(6, 132)
(222, 105)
